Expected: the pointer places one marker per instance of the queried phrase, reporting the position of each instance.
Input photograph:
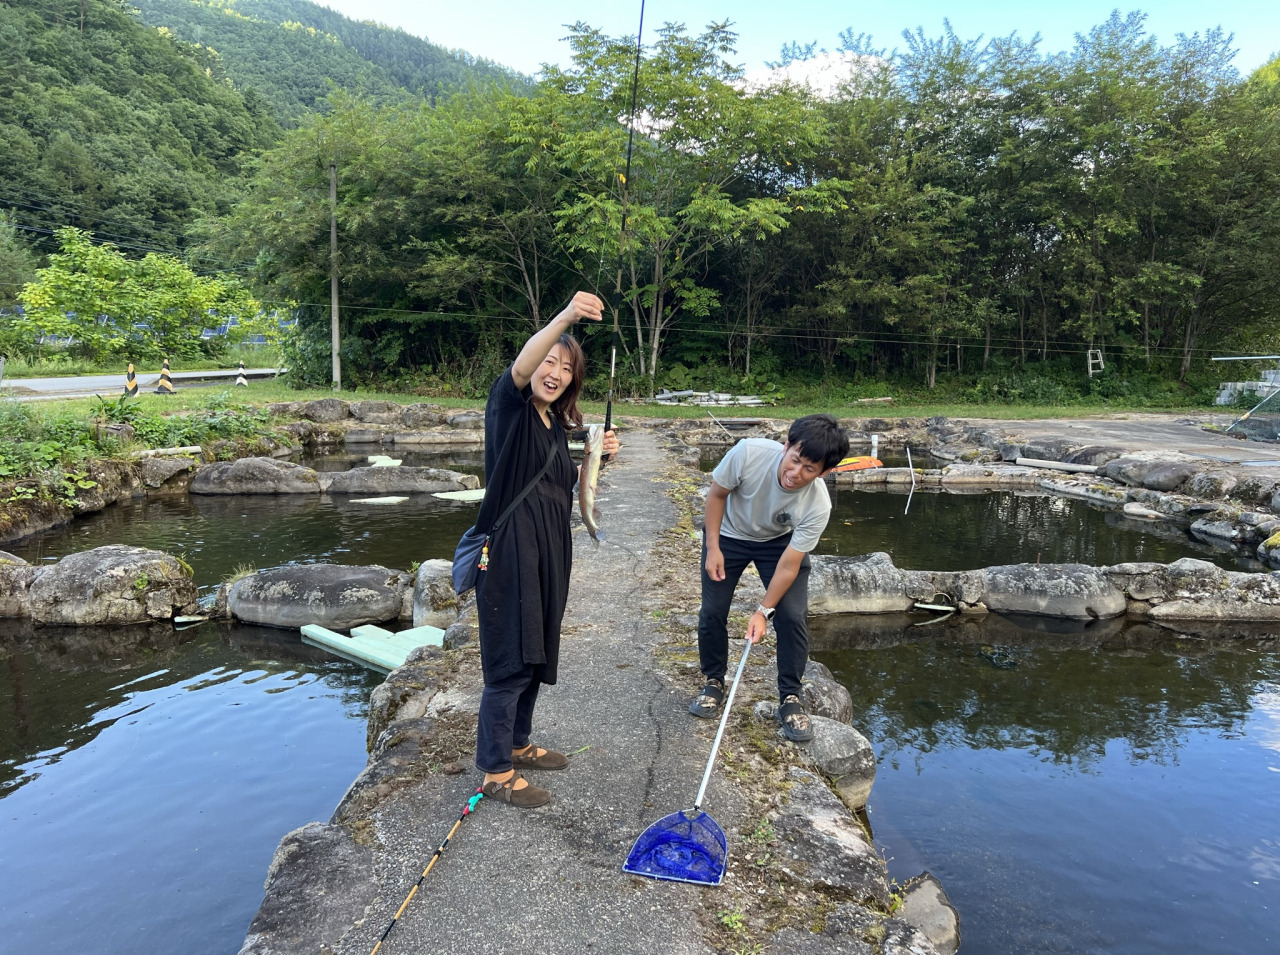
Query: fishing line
(622, 237)
(466, 811)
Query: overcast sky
(524, 34)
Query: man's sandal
(534, 757)
(529, 797)
(707, 703)
(795, 722)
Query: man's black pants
(788, 622)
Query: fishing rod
(466, 811)
(622, 237)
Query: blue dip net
(680, 848)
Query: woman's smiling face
(553, 376)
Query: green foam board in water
(370, 651)
(473, 494)
(408, 639)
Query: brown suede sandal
(529, 797)
(534, 757)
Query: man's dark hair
(819, 437)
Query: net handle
(724, 720)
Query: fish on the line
(593, 452)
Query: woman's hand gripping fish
(593, 450)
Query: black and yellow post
(130, 383)
(241, 380)
(165, 385)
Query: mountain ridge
(294, 52)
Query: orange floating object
(858, 463)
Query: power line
(944, 344)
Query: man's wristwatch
(766, 612)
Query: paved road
(40, 389)
(1146, 432)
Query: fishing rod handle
(724, 721)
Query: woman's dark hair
(819, 438)
(565, 408)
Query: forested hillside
(109, 125)
(294, 52)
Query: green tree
(294, 53)
(17, 262)
(493, 204)
(175, 305)
(110, 306)
(704, 172)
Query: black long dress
(522, 596)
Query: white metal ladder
(1095, 361)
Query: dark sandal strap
(788, 710)
(713, 690)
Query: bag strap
(551, 456)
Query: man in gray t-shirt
(767, 505)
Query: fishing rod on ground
(466, 811)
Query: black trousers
(505, 719)
(788, 622)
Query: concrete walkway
(550, 880)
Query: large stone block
(331, 595)
(435, 604)
(1074, 591)
(845, 756)
(1168, 477)
(823, 695)
(112, 586)
(1211, 485)
(255, 476)
(16, 577)
(822, 843)
(321, 882)
(375, 411)
(421, 416)
(324, 410)
(866, 584)
(377, 482)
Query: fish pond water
(143, 792)
(1076, 790)
(943, 530)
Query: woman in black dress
(521, 595)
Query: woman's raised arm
(582, 305)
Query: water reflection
(1077, 789)
(217, 535)
(468, 461)
(965, 531)
(162, 775)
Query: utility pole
(333, 276)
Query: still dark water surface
(142, 794)
(1095, 790)
(948, 531)
(1074, 793)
